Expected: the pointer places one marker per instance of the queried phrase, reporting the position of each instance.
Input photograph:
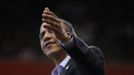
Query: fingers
(55, 29)
(51, 23)
(48, 14)
(50, 27)
(49, 17)
(47, 11)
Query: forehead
(42, 28)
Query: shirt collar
(62, 64)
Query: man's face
(50, 44)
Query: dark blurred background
(106, 24)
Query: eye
(42, 35)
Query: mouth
(48, 44)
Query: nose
(47, 36)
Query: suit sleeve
(90, 58)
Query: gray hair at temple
(69, 27)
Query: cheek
(41, 44)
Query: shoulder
(95, 48)
(97, 51)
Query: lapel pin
(67, 67)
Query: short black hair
(69, 27)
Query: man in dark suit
(69, 53)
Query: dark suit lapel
(67, 67)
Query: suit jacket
(85, 60)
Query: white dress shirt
(57, 70)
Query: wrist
(68, 45)
(67, 37)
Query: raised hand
(55, 24)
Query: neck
(59, 57)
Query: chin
(52, 52)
